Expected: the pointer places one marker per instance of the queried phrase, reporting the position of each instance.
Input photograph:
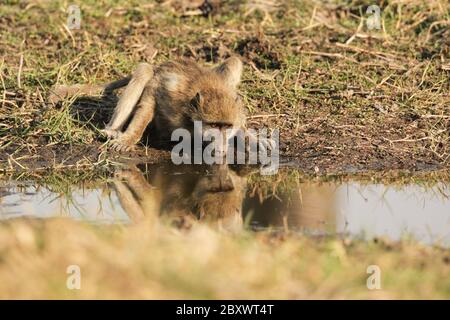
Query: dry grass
(346, 98)
(152, 260)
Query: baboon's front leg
(142, 116)
(135, 194)
(130, 97)
(128, 202)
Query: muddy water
(236, 198)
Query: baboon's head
(218, 197)
(210, 194)
(217, 105)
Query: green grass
(369, 99)
(377, 103)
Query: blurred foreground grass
(153, 260)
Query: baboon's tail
(59, 93)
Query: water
(236, 198)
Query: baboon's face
(220, 113)
(214, 194)
(218, 197)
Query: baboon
(213, 195)
(217, 195)
(170, 96)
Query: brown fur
(215, 197)
(172, 96)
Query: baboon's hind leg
(130, 97)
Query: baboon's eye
(219, 125)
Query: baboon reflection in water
(213, 194)
(218, 195)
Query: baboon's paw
(121, 146)
(111, 133)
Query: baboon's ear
(196, 101)
(230, 71)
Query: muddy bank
(319, 141)
(315, 154)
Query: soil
(345, 98)
(317, 148)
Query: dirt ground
(345, 98)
